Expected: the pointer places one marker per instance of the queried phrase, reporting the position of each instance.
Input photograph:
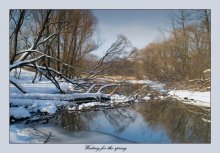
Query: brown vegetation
(60, 42)
(185, 54)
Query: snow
(25, 134)
(43, 96)
(13, 80)
(192, 97)
(38, 134)
(155, 85)
(18, 137)
(18, 62)
(38, 87)
(60, 97)
(19, 112)
(71, 108)
(206, 120)
(207, 71)
(49, 108)
(43, 86)
(146, 98)
(116, 98)
(30, 102)
(91, 104)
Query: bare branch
(48, 137)
(23, 63)
(111, 56)
(17, 86)
(36, 51)
(105, 86)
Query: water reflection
(183, 123)
(120, 119)
(77, 121)
(153, 122)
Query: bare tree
(76, 40)
(113, 55)
(185, 54)
(72, 30)
(18, 21)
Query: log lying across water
(61, 97)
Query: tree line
(184, 54)
(62, 41)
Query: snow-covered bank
(42, 102)
(21, 108)
(186, 96)
(43, 96)
(19, 112)
(192, 97)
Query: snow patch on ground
(91, 104)
(206, 120)
(25, 134)
(116, 98)
(192, 97)
(19, 112)
(49, 108)
(146, 98)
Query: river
(167, 121)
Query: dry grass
(194, 85)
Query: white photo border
(6, 5)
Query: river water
(157, 121)
(150, 122)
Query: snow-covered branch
(46, 39)
(59, 74)
(47, 56)
(105, 86)
(23, 63)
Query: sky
(141, 27)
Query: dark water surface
(150, 122)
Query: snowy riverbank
(43, 96)
(198, 98)
(192, 97)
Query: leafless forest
(60, 42)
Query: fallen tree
(50, 73)
(40, 38)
